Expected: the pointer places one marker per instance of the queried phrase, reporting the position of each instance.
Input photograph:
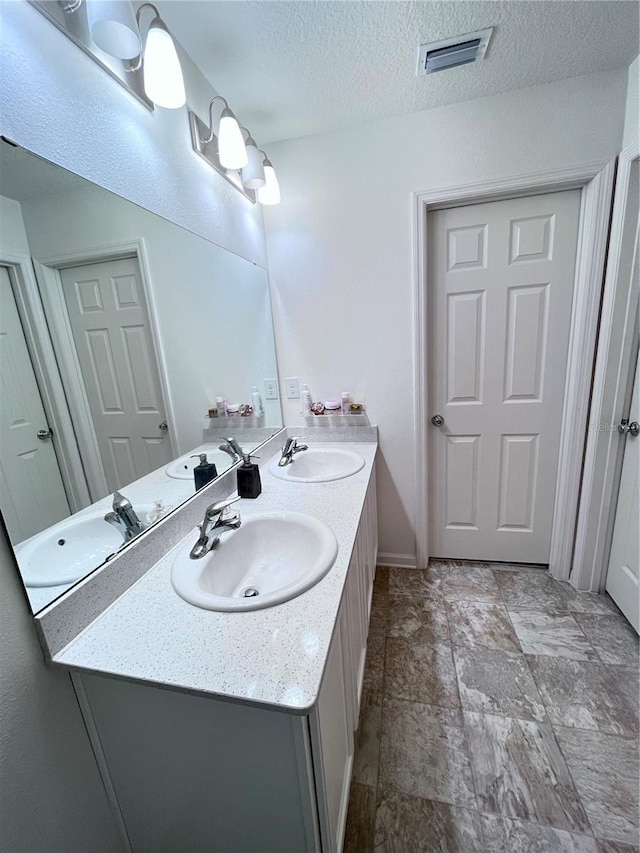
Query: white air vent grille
(452, 52)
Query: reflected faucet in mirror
(124, 518)
(216, 521)
(234, 450)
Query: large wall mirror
(118, 330)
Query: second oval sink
(318, 465)
(271, 558)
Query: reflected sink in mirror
(64, 552)
(318, 465)
(182, 468)
(277, 555)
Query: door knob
(437, 420)
(164, 426)
(44, 434)
(632, 428)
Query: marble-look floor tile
(588, 695)
(406, 824)
(420, 672)
(509, 835)
(417, 583)
(381, 581)
(367, 740)
(379, 612)
(612, 637)
(520, 772)
(605, 771)
(494, 683)
(468, 582)
(361, 818)
(423, 752)
(475, 623)
(586, 602)
(374, 665)
(530, 590)
(424, 621)
(556, 634)
(616, 847)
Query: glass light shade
(161, 71)
(270, 192)
(232, 152)
(253, 173)
(113, 28)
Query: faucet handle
(219, 507)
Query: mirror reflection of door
(33, 495)
(111, 331)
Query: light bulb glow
(113, 27)
(253, 173)
(232, 151)
(162, 74)
(270, 192)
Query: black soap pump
(205, 472)
(249, 485)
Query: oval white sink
(278, 554)
(66, 552)
(318, 465)
(182, 468)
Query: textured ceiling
(295, 68)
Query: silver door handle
(632, 428)
(437, 420)
(44, 434)
(164, 426)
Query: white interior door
(110, 328)
(33, 495)
(623, 583)
(501, 279)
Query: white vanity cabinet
(192, 773)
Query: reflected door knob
(164, 426)
(44, 434)
(632, 428)
(437, 420)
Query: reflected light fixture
(113, 27)
(253, 176)
(161, 71)
(232, 151)
(270, 192)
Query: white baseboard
(400, 561)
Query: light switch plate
(271, 389)
(293, 388)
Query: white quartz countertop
(272, 657)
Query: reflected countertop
(272, 657)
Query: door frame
(48, 270)
(612, 385)
(595, 180)
(48, 378)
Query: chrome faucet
(216, 522)
(124, 518)
(290, 448)
(233, 449)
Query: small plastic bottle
(346, 402)
(256, 401)
(306, 400)
(221, 407)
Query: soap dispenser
(249, 485)
(205, 472)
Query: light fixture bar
(75, 26)
(209, 152)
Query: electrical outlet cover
(293, 388)
(271, 389)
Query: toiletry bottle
(205, 472)
(249, 485)
(306, 400)
(346, 402)
(256, 401)
(222, 412)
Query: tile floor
(499, 715)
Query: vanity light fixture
(270, 192)
(232, 151)
(113, 27)
(161, 71)
(253, 176)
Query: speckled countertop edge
(273, 657)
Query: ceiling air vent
(449, 53)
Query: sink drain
(250, 592)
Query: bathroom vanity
(234, 731)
